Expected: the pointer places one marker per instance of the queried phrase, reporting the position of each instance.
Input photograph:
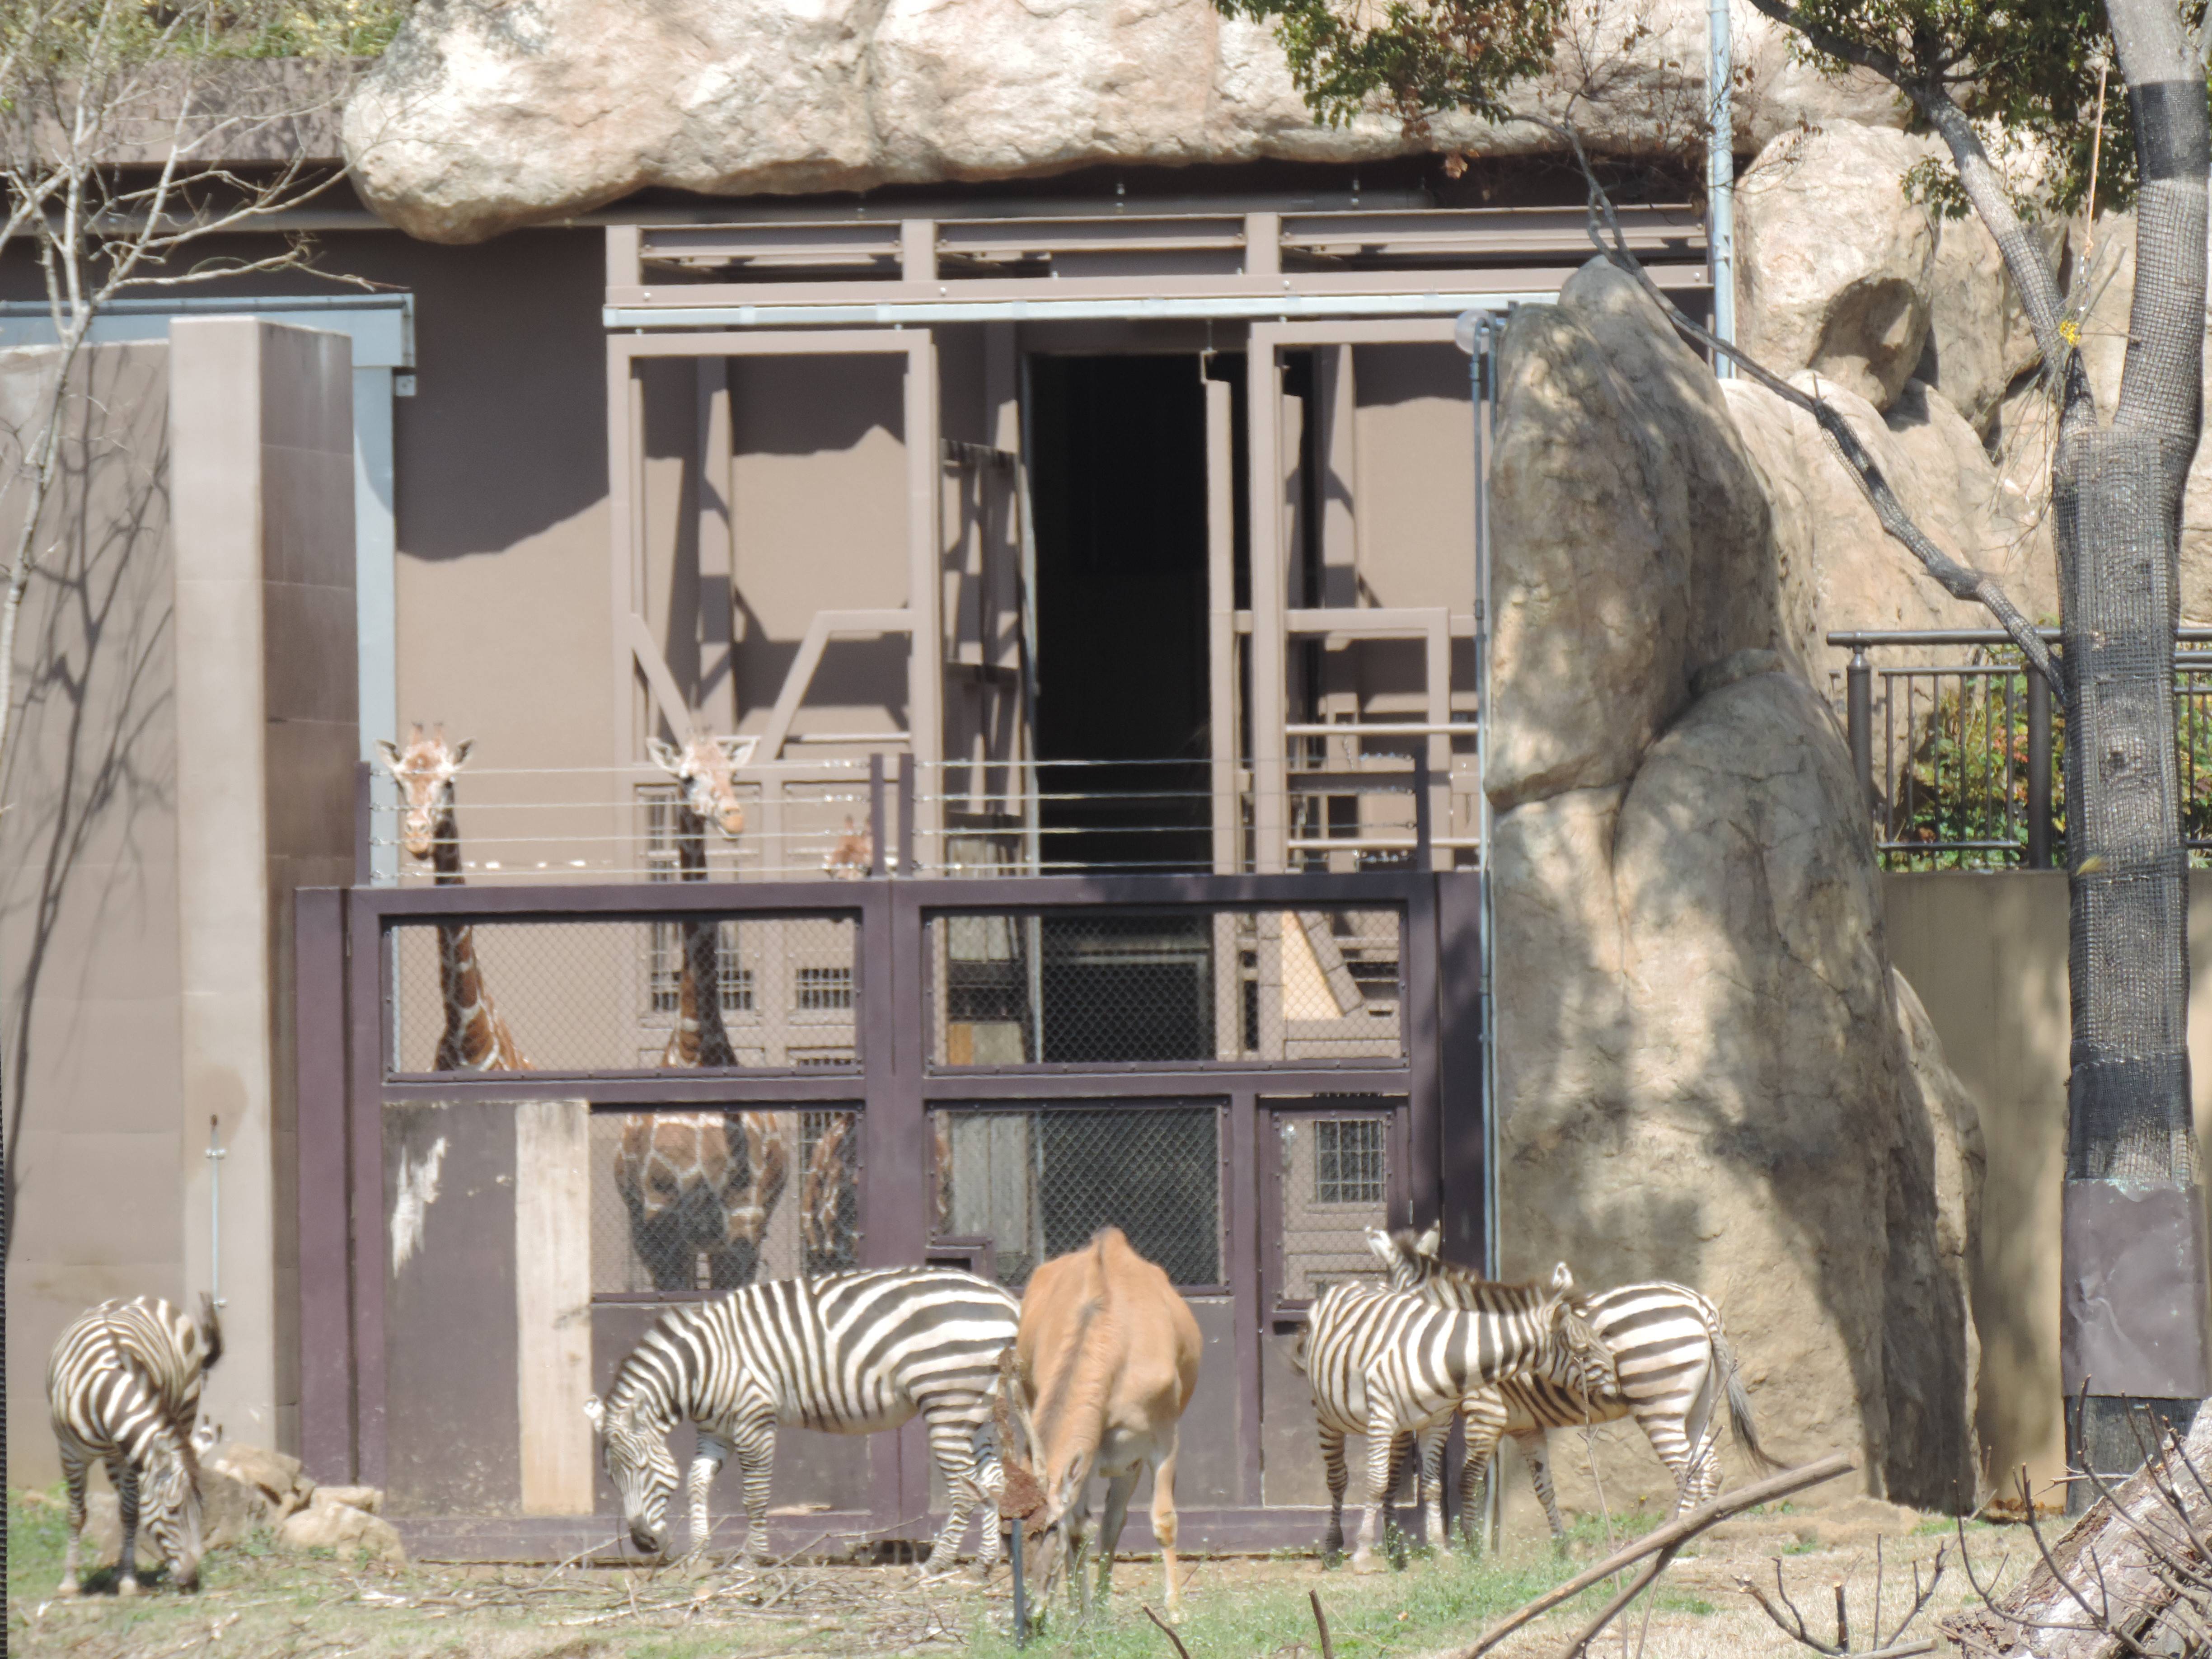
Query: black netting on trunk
(2128, 1098)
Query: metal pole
(878, 853)
(1858, 721)
(1021, 1587)
(2038, 771)
(1720, 177)
(1423, 814)
(909, 792)
(216, 1154)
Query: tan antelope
(476, 1038)
(1105, 1360)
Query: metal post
(876, 841)
(216, 1154)
(1021, 1588)
(1423, 815)
(2038, 771)
(1858, 719)
(364, 823)
(909, 791)
(1720, 177)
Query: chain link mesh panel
(1334, 1174)
(705, 1202)
(605, 996)
(1104, 987)
(1037, 1183)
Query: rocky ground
(264, 1598)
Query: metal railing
(885, 813)
(1962, 762)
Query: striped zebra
(123, 1387)
(1384, 1365)
(847, 1354)
(1673, 1357)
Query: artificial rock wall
(1709, 1071)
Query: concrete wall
(185, 762)
(1987, 953)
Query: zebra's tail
(1739, 1404)
(210, 1333)
(1298, 1350)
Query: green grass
(1370, 1616)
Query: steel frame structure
(344, 1010)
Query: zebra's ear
(597, 1412)
(1563, 1281)
(1379, 1245)
(1432, 1242)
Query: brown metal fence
(1241, 1072)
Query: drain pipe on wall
(1478, 333)
(1720, 177)
(216, 1154)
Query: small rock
(341, 1526)
(278, 1478)
(367, 1499)
(229, 1510)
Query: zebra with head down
(123, 1388)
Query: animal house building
(707, 740)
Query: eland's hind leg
(1166, 1526)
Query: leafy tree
(2114, 90)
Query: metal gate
(1242, 1072)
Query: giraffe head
(705, 768)
(424, 770)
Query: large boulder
(485, 114)
(1703, 1073)
(1853, 307)
(1835, 565)
(1685, 577)
(277, 1476)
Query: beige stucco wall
(185, 762)
(1987, 954)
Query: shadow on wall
(88, 899)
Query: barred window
(1347, 1160)
(824, 988)
(737, 981)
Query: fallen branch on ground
(1664, 1542)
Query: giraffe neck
(700, 1037)
(475, 1039)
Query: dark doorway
(1119, 491)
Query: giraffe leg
(1535, 1446)
(126, 1481)
(1332, 1463)
(706, 1464)
(1381, 1439)
(73, 1473)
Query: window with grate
(1347, 1160)
(821, 989)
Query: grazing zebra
(124, 1387)
(1673, 1358)
(1383, 1364)
(847, 1354)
